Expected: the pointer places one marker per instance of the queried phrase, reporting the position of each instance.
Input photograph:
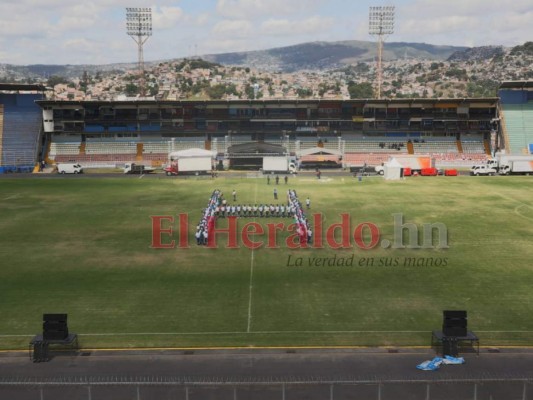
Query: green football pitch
(82, 246)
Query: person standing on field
(234, 195)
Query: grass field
(82, 246)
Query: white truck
(517, 167)
(478, 170)
(507, 164)
(414, 163)
(278, 165)
(69, 169)
(132, 168)
(189, 165)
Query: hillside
(328, 55)
(337, 70)
(305, 56)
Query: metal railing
(145, 387)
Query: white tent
(190, 153)
(392, 170)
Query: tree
(304, 92)
(154, 90)
(131, 89)
(360, 90)
(56, 80)
(249, 91)
(216, 92)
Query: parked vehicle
(478, 170)
(278, 165)
(450, 172)
(69, 169)
(193, 165)
(517, 167)
(429, 172)
(132, 168)
(413, 162)
(511, 165)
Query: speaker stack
(55, 327)
(454, 323)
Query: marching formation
(253, 211)
(207, 222)
(218, 207)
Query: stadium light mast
(139, 28)
(380, 25)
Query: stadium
(91, 237)
(338, 134)
(125, 257)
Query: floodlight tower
(139, 28)
(380, 25)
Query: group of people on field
(207, 222)
(253, 211)
(218, 207)
(303, 227)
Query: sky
(94, 31)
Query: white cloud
(477, 8)
(202, 19)
(443, 25)
(233, 28)
(39, 31)
(166, 17)
(282, 27)
(251, 9)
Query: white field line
(254, 332)
(14, 196)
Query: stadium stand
(473, 147)
(517, 106)
(21, 128)
(375, 145)
(362, 131)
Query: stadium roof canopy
(320, 151)
(516, 85)
(256, 149)
(21, 87)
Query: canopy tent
(255, 149)
(393, 170)
(319, 151)
(190, 153)
(250, 155)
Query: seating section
(111, 148)
(187, 144)
(459, 160)
(22, 122)
(375, 146)
(519, 125)
(372, 152)
(476, 147)
(156, 147)
(358, 159)
(58, 149)
(87, 159)
(435, 147)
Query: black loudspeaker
(449, 347)
(55, 327)
(454, 323)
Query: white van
(69, 169)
